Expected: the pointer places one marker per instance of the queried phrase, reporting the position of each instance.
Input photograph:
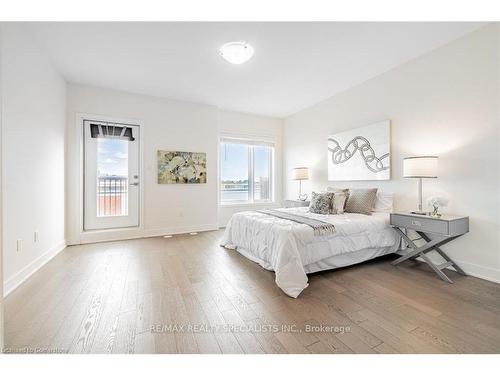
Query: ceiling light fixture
(236, 52)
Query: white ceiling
(295, 64)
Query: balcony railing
(238, 191)
(112, 196)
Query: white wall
(445, 103)
(259, 127)
(167, 125)
(1, 225)
(33, 121)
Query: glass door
(111, 175)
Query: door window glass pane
(112, 177)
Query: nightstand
(436, 231)
(296, 203)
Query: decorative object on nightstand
(289, 203)
(420, 167)
(436, 203)
(301, 173)
(436, 231)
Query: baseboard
(108, 235)
(14, 281)
(481, 272)
(179, 230)
(135, 233)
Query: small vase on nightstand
(435, 212)
(436, 203)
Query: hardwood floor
(106, 298)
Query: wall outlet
(19, 245)
(35, 236)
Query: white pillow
(383, 202)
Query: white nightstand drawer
(422, 224)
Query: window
(112, 177)
(246, 171)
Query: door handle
(134, 184)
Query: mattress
(292, 250)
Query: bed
(292, 250)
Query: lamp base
(303, 197)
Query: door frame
(98, 235)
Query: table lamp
(301, 173)
(420, 167)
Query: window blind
(107, 130)
(252, 142)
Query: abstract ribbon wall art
(361, 153)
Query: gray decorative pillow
(321, 203)
(361, 201)
(338, 202)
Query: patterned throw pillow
(337, 191)
(321, 203)
(338, 202)
(361, 201)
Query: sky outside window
(112, 157)
(261, 156)
(234, 162)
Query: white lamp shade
(301, 173)
(420, 167)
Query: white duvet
(290, 248)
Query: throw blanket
(321, 228)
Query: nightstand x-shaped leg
(432, 244)
(443, 254)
